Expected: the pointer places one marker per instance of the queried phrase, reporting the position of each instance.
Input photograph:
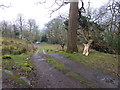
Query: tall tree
(72, 27)
(20, 22)
(16, 32)
(55, 31)
(73, 21)
(4, 28)
(31, 23)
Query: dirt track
(49, 77)
(97, 77)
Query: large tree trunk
(72, 28)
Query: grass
(16, 78)
(40, 51)
(50, 59)
(15, 46)
(56, 64)
(107, 63)
(50, 48)
(81, 79)
(20, 63)
(104, 62)
(20, 66)
(67, 71)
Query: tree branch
(59, 6)
(2, 6)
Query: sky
(31, 9)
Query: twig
(60, 6)
(2, 6)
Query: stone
(8, 72)
(26, 80)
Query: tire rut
(94, 76)
(50, 77)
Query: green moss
(18, 62)
(27, 69)
(7, 57)
(19, 51)
(81, 79)
(15, 78)
(26, 64)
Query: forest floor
(56, 71)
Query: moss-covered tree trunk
(72, 28)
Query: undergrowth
(19, 52)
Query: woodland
(55, 56)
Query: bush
(26, 64)
(27, 69)
(6, 57)
(16, 52)
(16, 47)
(112, 41)
(44, 38)
(109, 44)
(8, 49)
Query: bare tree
(16, 32)
(31, 23)
(4, 28)
(20, 22)
(114, 8)
(55, 31)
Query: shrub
(15, 52)
(109, 44)
(27, 69)
(6, 57)
(16, 47)
(26, 64)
